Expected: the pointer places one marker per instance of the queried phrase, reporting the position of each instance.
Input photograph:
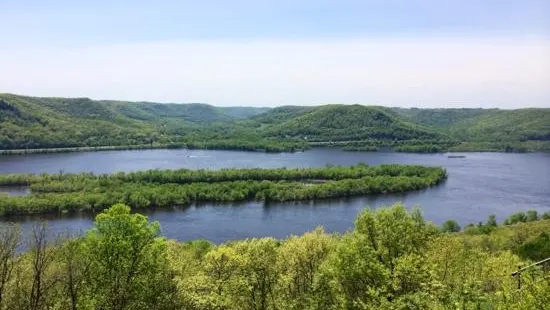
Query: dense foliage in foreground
(392, 259)
(166, 188)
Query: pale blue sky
(407, 53)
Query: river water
(478, 185)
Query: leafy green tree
(223, 268)
(532, 216)
(450, 226)
(469, 275)
(519, 217)
(369, 264)
(492, 221)
(129, 268)
(299, 261)
(536, 249)
(258, 273)
(74, 267)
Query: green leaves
(536, 249)
(299, 262)
(392, 232)
(450, 226)
(167, 188)
(392, 259)
(45, 123)
(129, 262)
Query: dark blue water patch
(15, 190)
(479, 185)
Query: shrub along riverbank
(277, 146)
(162, 188)
(439, 146)
(261, 145)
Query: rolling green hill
(192, 112)
(502, 125)
(33, 122)
(346, 122)
(485, 124)
(280, 114)
(440, 118)
(27, 122)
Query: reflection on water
(15, 190)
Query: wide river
(478, 185)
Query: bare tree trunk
(42, 258)
(75, 269)
(10, 236)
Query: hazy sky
(424, 53)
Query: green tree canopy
(450, 226)
(130, 268)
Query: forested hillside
(523, 125)
(367, 128)
(485, 124)
(36, 123)
(193, 112)
(55, 122)
(440, 118)
(347, 122)
(31, 122)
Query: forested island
(168, 188)
(34, 124)
(392, 259)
